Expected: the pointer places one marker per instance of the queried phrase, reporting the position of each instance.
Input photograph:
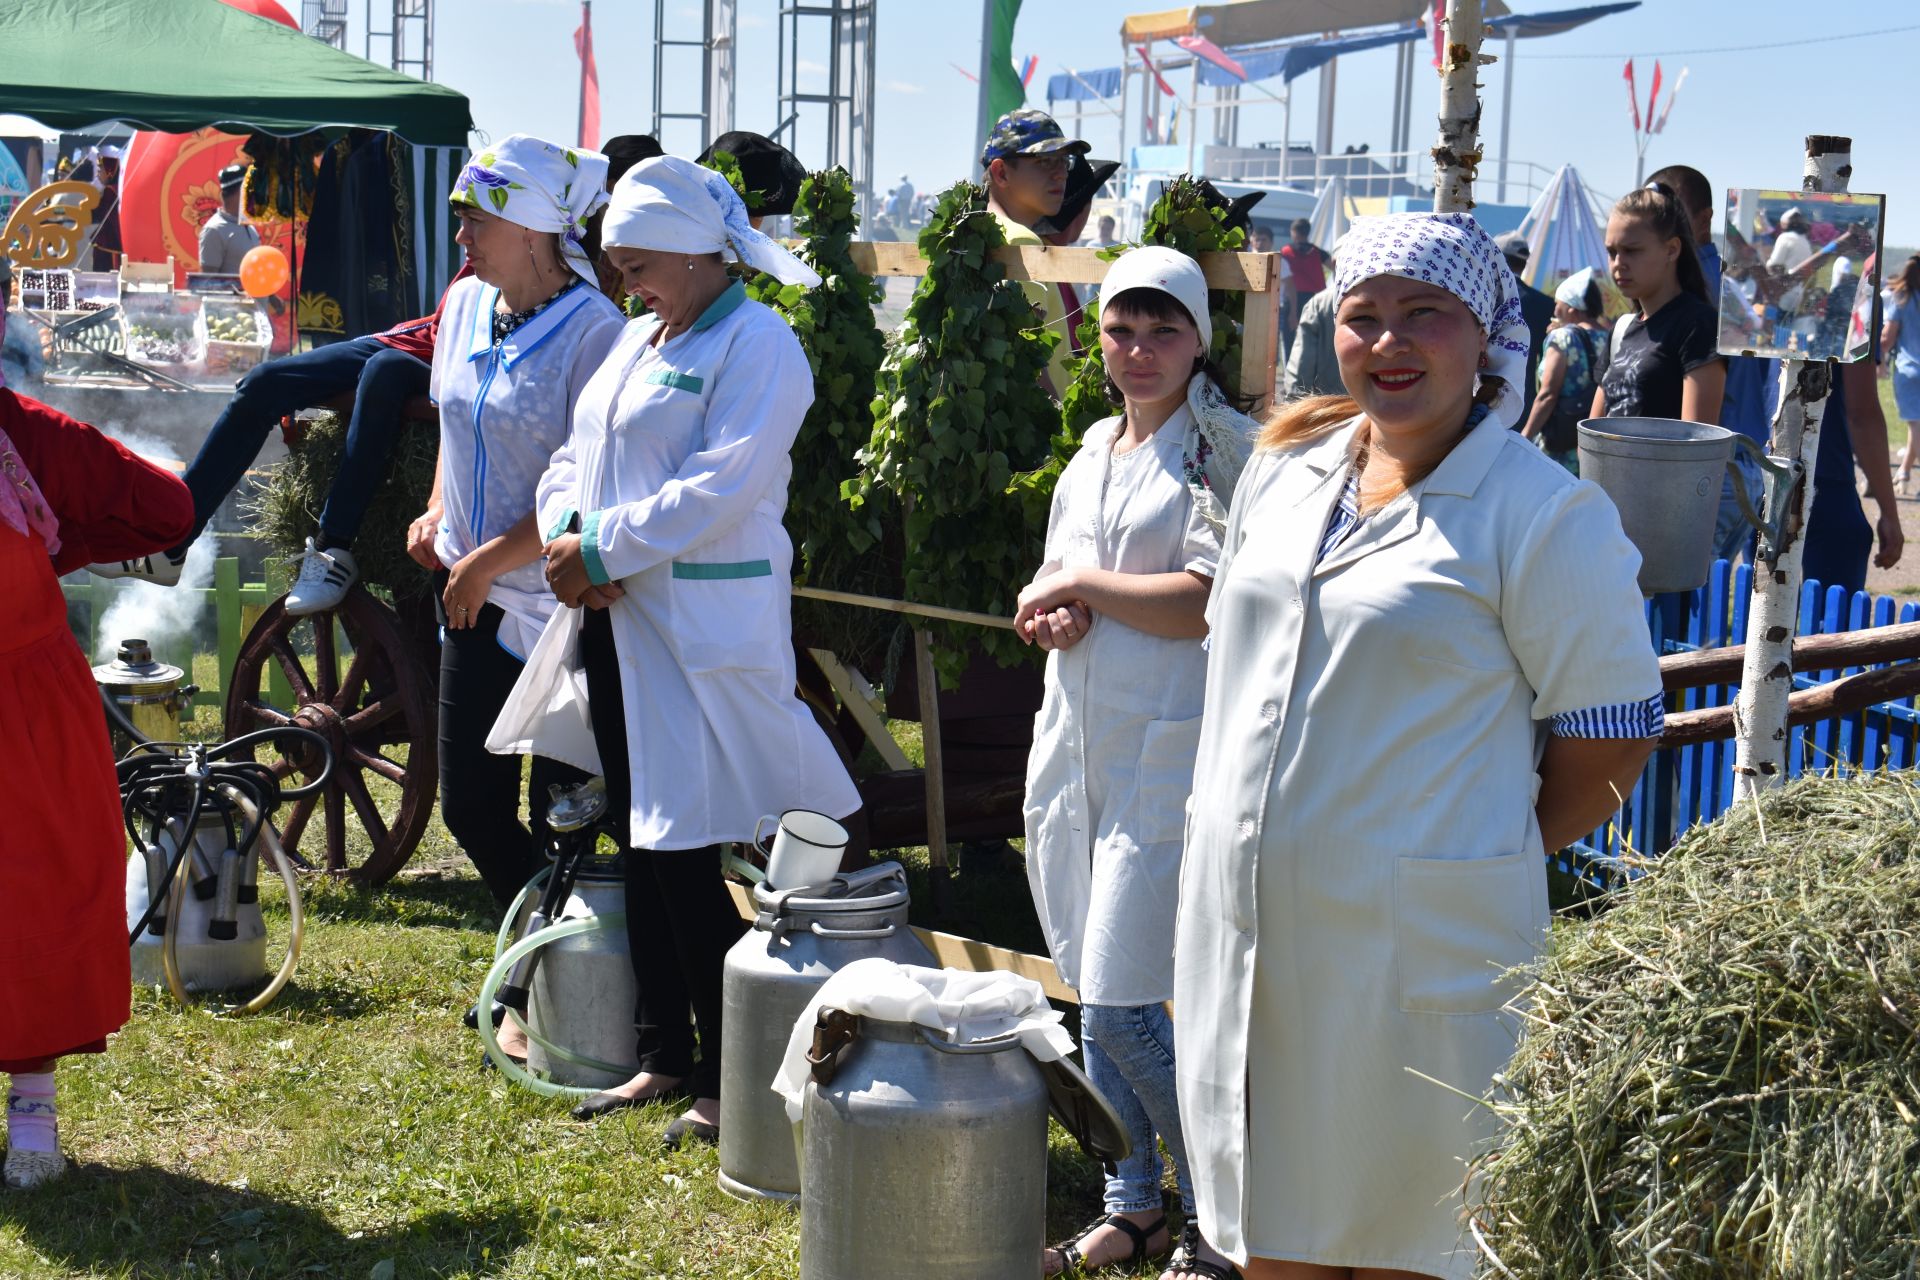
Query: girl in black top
(1665, 360)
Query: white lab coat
(1113, 745)
(1363, 858)
(504, 409)
(677, 470)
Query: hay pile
(1721, 1075)
(287, 508)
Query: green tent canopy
(181, 65)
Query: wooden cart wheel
(374, 702)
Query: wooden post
(1456, 155)
(937, 867)
(1766, 679)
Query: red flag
(1439, 41)
(1155, 71)
(589, 79)
(1633, 96)
(1653, 95)
(1202, 47)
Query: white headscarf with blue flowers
(677, 206)
(540, 186)
(1450, 250)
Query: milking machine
(200, 821)
(568, 978)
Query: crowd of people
(1322, 688)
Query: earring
(1483, 359)
(689, 264)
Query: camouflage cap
(1027, 132)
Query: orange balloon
(263, 272)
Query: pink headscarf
(22, 508)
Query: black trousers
(480, 791)
(680, 918)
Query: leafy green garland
(835, 325)
(959, 411)
(1183, 220)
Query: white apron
(1113, 744)
(677, 470)
(1363, 859)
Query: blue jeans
(382, 379)
(1129, 1052)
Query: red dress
(64, 976)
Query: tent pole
(1506, 113)
(1399, 88)
(1406, 110)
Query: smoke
(167, 617)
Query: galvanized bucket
(1664, 477)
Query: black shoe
(687, 1127)
(601, 1103)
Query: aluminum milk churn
(581, 996)
(922, 1157)
(795, 945)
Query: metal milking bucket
(1664, 478)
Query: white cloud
(810, 68)
(901, 86)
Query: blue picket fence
(1686, 785)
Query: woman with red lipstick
(1120, 607)
(1428, 665)
(1666, 360)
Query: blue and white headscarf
(540, 186)
(677, 206)
(1452, 251)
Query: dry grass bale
(1721, 1075)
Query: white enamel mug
(807, 848)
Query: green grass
(348, 1132)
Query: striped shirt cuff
(1646, 719)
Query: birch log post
(1766, 679)
(1456, 155)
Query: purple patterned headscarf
(1450, 250)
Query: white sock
(32, 1122)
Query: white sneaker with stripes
(162, 569)
(323, 580)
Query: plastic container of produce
(162, 329)
(237, 335)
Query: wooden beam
(940, 612)
(1897, 643)
(858, 697)
(1841, 697)
(1260, 344)
(1046, 264)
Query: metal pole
(1766, 678)
(1323, 129)
(1406, 110)
(1394, 144)
(986, 56)
(580, 128)
(1506, 113)
(1193, 115)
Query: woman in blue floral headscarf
(1429, 664)
(518, 341)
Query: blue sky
(1740, 118)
